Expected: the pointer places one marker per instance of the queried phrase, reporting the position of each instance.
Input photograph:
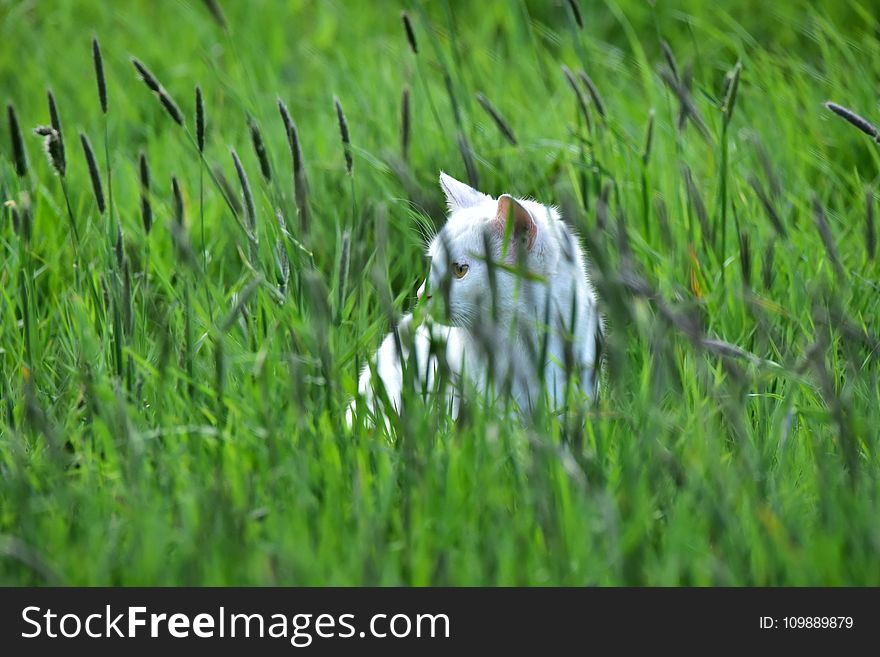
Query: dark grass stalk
(127, 321)
(463, 142)
(726, 115)
(61, 157)
(174, 112)
(855, 120)
(583, 182)
(770, 173)
(177, 198)
(321, 312)
(602, 207)
(116, 319)
(70, 216)
(646, 158)
(146, 207)
(165, 98)
(870, 230)
(300, 183)
(688, 109)
(344, 134)
(250, 211)
(260, 149)
(27, 320)
(188, 340)
(410, 33)
(405, 125)
(228, 191)
(413, 45)
(19, 153)
(343, 274)
(496, 116)
(242, 299)
(455, 48)
(98, 61)
(467, 156)
(696, 203)
(95, 176)
(219, 380)
(282, 260)
(767, 203)
(183, 249)
(119, 248)
(101, 82)
(21, 221)
(55, 152)
(768, 270)
(579, 97)
(745, 260)
(576, 23)
(575, 9)
(200, 120)
(593, 90)
(216, 13)
(146, 221)
(827, 238)
(671, 61)
(662, 215)
(200, 145)
(52, 148)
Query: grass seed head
(579, 95)
(410, 33)
(593, 90)
(732, 82)
(52, 146)
(92, 164)
(99, 74)
(146, 207)
(200, 120)
(649, 137)
(19, 154)
(249, 207)
(405, 120)
(576, 13)
(499, 120)
(178, 201)
(260, 149)
(299, 174)
(216, 13)
(855, 120)
(164, 97)
(119, 247)
(343, 132)
(56, 124)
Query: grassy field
(172, 399)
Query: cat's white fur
(544, 312)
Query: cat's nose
(421, 291)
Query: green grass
(163, 422)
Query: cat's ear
(459, 195)
(523, 224)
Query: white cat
(512, 280)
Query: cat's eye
(459, 269)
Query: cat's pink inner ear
(524, 225)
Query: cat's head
(486, 238)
